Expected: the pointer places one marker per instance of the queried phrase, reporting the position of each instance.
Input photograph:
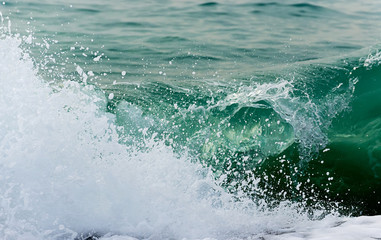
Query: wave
(65, 172)
(312, 129)
(253, 160)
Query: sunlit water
(190, 119)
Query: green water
(287, 92)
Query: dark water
(280, 99)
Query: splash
(65, 172)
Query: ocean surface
(166, 119)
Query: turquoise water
(271, 102)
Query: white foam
(364, 228)
(372, 59)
